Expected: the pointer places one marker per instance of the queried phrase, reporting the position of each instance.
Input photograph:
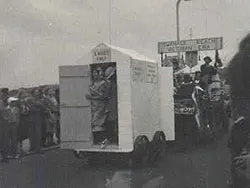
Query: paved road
(204, 166)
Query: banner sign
(204, 44)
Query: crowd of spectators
(28, 113)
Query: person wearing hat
(205, 68)
(13, 114)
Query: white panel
(73, 91)
(75, 108)
(75, 124)
(145, 102)
(167, 102)
(75, 70)
(125, 128)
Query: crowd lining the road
(28, 114)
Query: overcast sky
(38, 35)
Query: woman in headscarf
(98, 96)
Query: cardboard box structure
(144, 94)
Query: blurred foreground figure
(239, 142)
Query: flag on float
(218, 62)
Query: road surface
(205, 166)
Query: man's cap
(12, 99)
(207, 58)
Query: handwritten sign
(204, 44)
(138, 72)
(151, 73)
(101, 54)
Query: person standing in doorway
(99, 100)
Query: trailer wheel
(158, 146)
(76, 154)
(87, 158)
(140, 155)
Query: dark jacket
(36, 111)
(2, 107)
(239, 136)
(206, 69)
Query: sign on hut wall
(101, 54)
(138, 71)
(144, 72)
(151, 73)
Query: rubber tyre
(158, 146)
(140, 155)
(76, 154)
(86, 157)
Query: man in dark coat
(206, 68)
(4, 125)
(36, 118)
(57, 95)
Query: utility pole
(178, 20)
(191, 33)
